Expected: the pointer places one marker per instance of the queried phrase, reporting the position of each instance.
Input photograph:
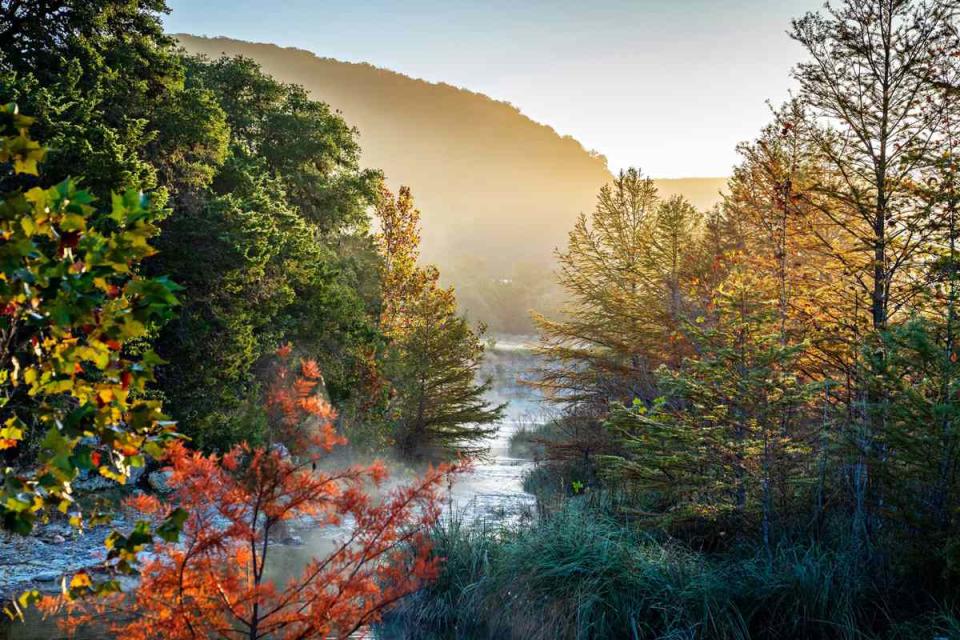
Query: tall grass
(581, 574)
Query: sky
(668, 86)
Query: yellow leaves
(110, 474)
(102, 284)
(20, 149)
(11, 433)
(28, 225)
(27, 162)
(78, 581)
(14, 610)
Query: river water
(491, 492)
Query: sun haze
(670, 87)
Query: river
(492, 491)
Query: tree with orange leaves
(214, 582)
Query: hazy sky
(670, 86)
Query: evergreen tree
(710, 447)
(438, 406)
(675, 230)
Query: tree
(215, 582)
(265, 203)
(868, 83)
(100, 76)
(869, 86)
(628, 273)
(709, 447)
(675, 230)
(609, 343)
(438, 406)
(274, 248)
(922, 414)
(72, 304)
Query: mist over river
(492, 492)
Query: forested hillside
(498, 191)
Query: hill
(498, 191)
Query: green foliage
(71, 301)
(266, 203)
(97, 75)
(439, 407)
(272, 249)
(725, 430)
(913, 367)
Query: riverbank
(491, 494)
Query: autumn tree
(607, 345)
(868, 84)
(876, 113)
(675, 230)
(215, 582)
(711, 445)
(438, 405)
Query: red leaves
(68, 240)
(213, 582)
(293, 403)
(309, 369)
(144, 504)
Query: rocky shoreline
(55, 549)
(40, 560)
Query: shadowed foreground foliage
(582, 573)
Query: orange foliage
(213, 584)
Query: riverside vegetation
(237, 238)
(757, 412)
(757, 405)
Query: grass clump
(582, 574)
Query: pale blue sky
(670, 86)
